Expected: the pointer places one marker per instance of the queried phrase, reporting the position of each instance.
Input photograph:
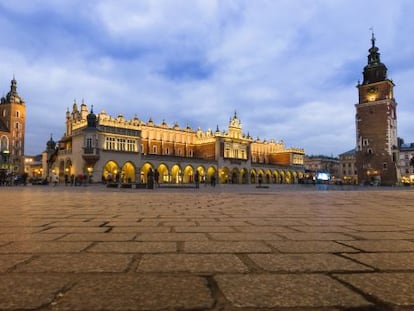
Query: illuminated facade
(12, 131)
(107, 148)
(376, 125)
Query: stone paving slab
(44, 247)
(111, 236)
(226, 247)
(245, 236)
(75, 230)
(287, 290)
(394, 288)
(17, 236)
(316, 236)
(195, 263)
(305, 263)
(137, 292)
(171, 237)
(10, 260)
(202, 229)
(382, 245)
(386, 261)
(382, 235)
(77, 263)
(310, 247)
(133, 247)
(30, 291)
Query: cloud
(289, 68)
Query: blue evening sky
(289, 68)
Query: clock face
(372, 90)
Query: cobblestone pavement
(227, 248)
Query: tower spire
(374, 71)
(372, 37)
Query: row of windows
(4, 113)
(119, 144)
(167, 151)
(235, 154)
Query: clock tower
(376, 124)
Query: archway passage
(144, 171)
(244, 176)
(224, 175)
(163, 176)
(176, 177)
(253, 176)
(128, 173)
(202, 174)
(235, 175)
(211, 175)
(111, 172)
(188, 174)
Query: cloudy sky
(289, 68)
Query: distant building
(376, 125)
(347, 168)
(315, 164)
(12, 131)
(106, 148)
(407, 163)
(33, 166)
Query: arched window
(4, 143)
(17, 113)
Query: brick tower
(12, 130)
(376, 124)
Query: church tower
(376, 124)
(12, 130)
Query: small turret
(91, 118)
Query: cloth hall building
(108, 148)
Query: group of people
(153, 177)
(12, 179)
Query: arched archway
(288, 177)
(164, 177)
(268, 176)
(128, 173)
(176, 176)
(275, 177)
(188, 176)
(294, 177)
(282, 177)
(244, 176)
(253, 175)
(235, 176)
(224, 175)
(211, 172)
(202, 174)
(144, 171)
(68, 167)
(110, 172)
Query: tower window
(18, 114)
(369, 151)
